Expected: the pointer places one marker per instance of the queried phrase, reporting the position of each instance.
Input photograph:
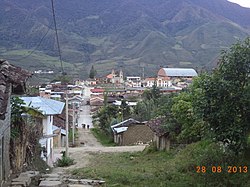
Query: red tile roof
(97, 90)
(109, 76)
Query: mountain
(127, 34)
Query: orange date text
(220, 169)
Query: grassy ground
(134, 169)
(102, 138)
(176, 168)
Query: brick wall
(137, 133)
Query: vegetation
(70, 135)
(103, 138)
(174, 168)
(211, 118)
(107, 116)
(64, 161)
(92, 72)
(124, 38)
(25, 135)
(225, 103)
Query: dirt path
(86, 139)
(89, 144)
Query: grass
(133, 170)
(102, 137)
(176, 168)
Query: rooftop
(46, 106)
(10, 76)
(177, 72)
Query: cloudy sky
(245, 3)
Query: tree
(144, 110)
(183, 111)
(225, 105)
(153, 93)
(92, 72)
(125, 109)
(105, 116)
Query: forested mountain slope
(113, 34)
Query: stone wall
(136, 134)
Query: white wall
(47, 130)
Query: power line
(57, 38)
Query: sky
(244, 3)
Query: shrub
(150, 149)
(64, 161)
(210, 154)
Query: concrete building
(134, 81)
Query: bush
(64, 161)
(210, 155)
(150, 149)
(102, 137)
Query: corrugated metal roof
(46, 106)
(124, 123)
(120, 129)
(180, 72)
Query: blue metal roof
(46, 106)
(180, 72)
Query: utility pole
(73, 130)
(67, 125)
(143, 72)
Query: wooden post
(73, 129)
(67, 126)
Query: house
(77, 100)
(131, 132)
(134, 81)
(96, 101)
(60, 139)
(91, 82)
(49, 108)
(75, 90)
(159, 81)
(58, 128)
(161, 135)
(97, 91)
(12, 80)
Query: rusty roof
(10, 76)
(156, 125)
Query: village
(68, 109)
(134, 93)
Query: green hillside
(118, 34)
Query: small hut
(161, 135)
(131, 132)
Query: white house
(159, 81)
(134, 81)
(49, 108)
